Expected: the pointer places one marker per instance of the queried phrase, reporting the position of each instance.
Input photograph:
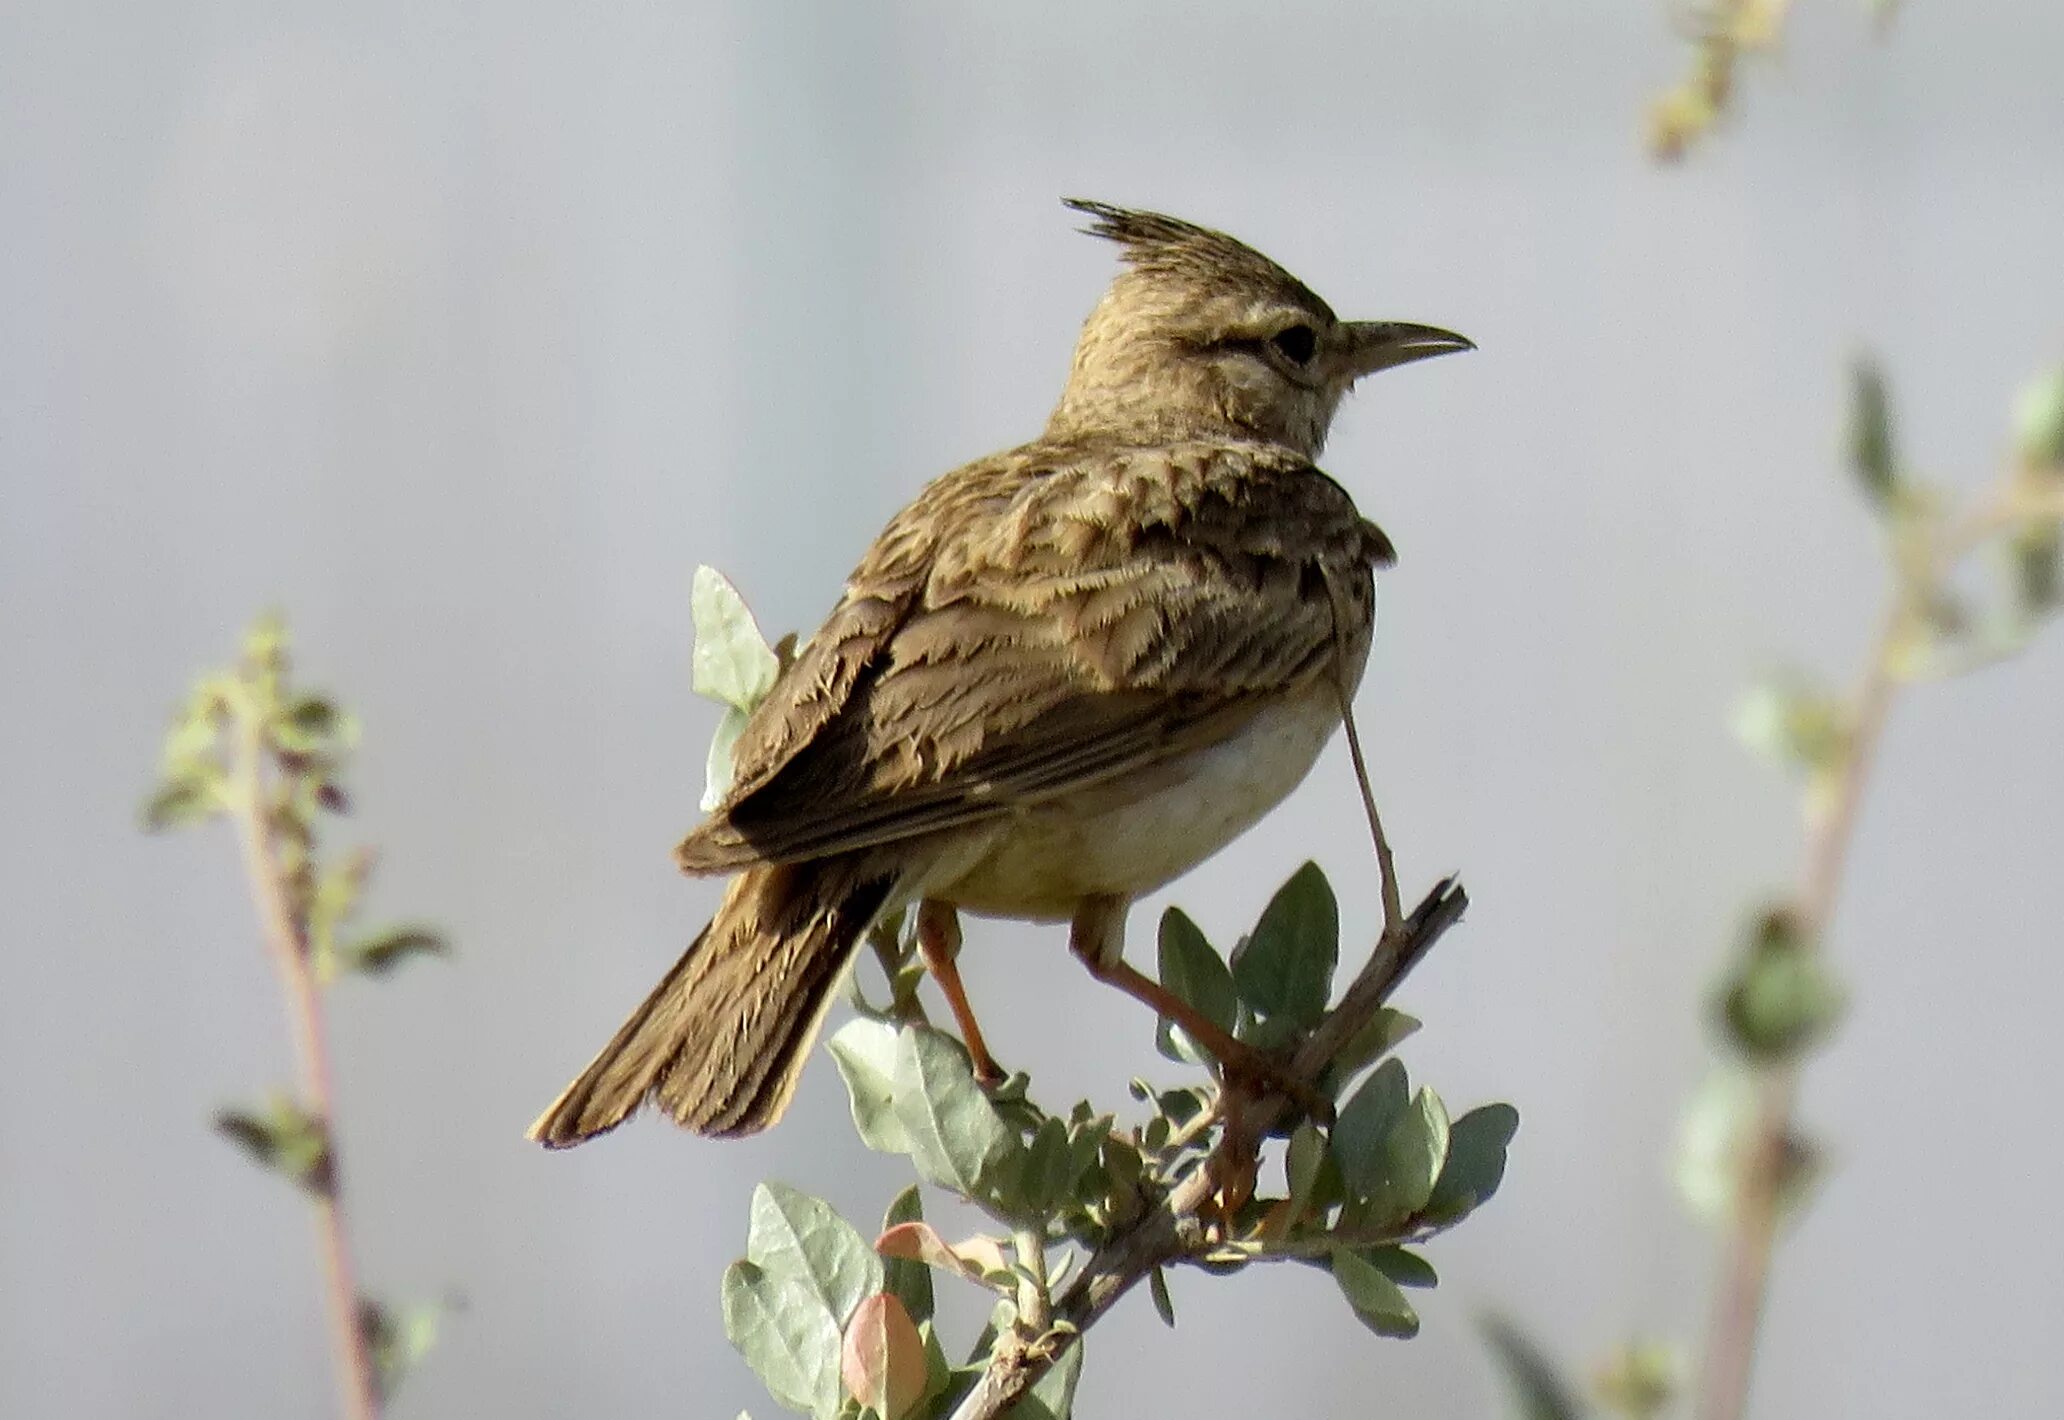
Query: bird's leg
(938, 942)
(1097, 938)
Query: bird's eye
(1296, 343)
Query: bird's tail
(721, 1041)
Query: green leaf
(1052, 1396)
(1477, 1143)
(1304, 1159)
(1871, 454)
(1365, 1122)
(787, 1335)
(1384, 1032)
(1639, 1379)
(185, 799)
(338, 889)
(1538, 1390)
(733, 662)
(1414, 1151)
(1164, 1305)
(1197, 974)
(1050, 1172)
(397, 1341)
(1407, 1269)
(1086, 1138)
(938, 1370)
(197, 730)
(2039, 421)
(1180, 1106)
(266, 643)
(314, 715)
(1718, 1125)
(1377, 1302)
(957, 1138)
(1124, 1170)
(800, 1238)
(381, 952)
(717, 773)
(1715, 1117)
(1781, 998)
(1792, 722)
(1284, 971)
(312, 724)
(286, 1139)
(911, 1281)
(1269, 1033)
(2035, 551)
(882, 1357)
(865, 1052)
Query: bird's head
(1201, 335)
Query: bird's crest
(1157, 244)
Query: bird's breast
(1130, 836)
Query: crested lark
(1061, 677)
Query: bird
(1061, 677)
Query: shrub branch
(288, 938)
(2026, 498)
(1183, 1225)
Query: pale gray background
(462, 332)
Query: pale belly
(1129, 838)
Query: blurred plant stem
(1928, 553)
(251, 794)
(250, 747)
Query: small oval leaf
(882, 1358)
(782, 1329)
(865, 1053)
(188, 799)
(1364, 1124)
(733, 662)
(381, 952)
(1476, 1162)
(1284, 970)
(795, 1236)
(909, 1280)
(957, 1138)
(1378, 1303)
(1414, 1152)
(1193, 971)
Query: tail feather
(722, 1040)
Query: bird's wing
(1041, 622)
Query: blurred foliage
(1639, 1380)
(1743, 1164)
(1723, 36)
(251, 747)
(1780, 998)
(397, 1339)
(1537, 1390)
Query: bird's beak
(1374, 345)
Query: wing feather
(1044, 621)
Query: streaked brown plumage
(1062, 676)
